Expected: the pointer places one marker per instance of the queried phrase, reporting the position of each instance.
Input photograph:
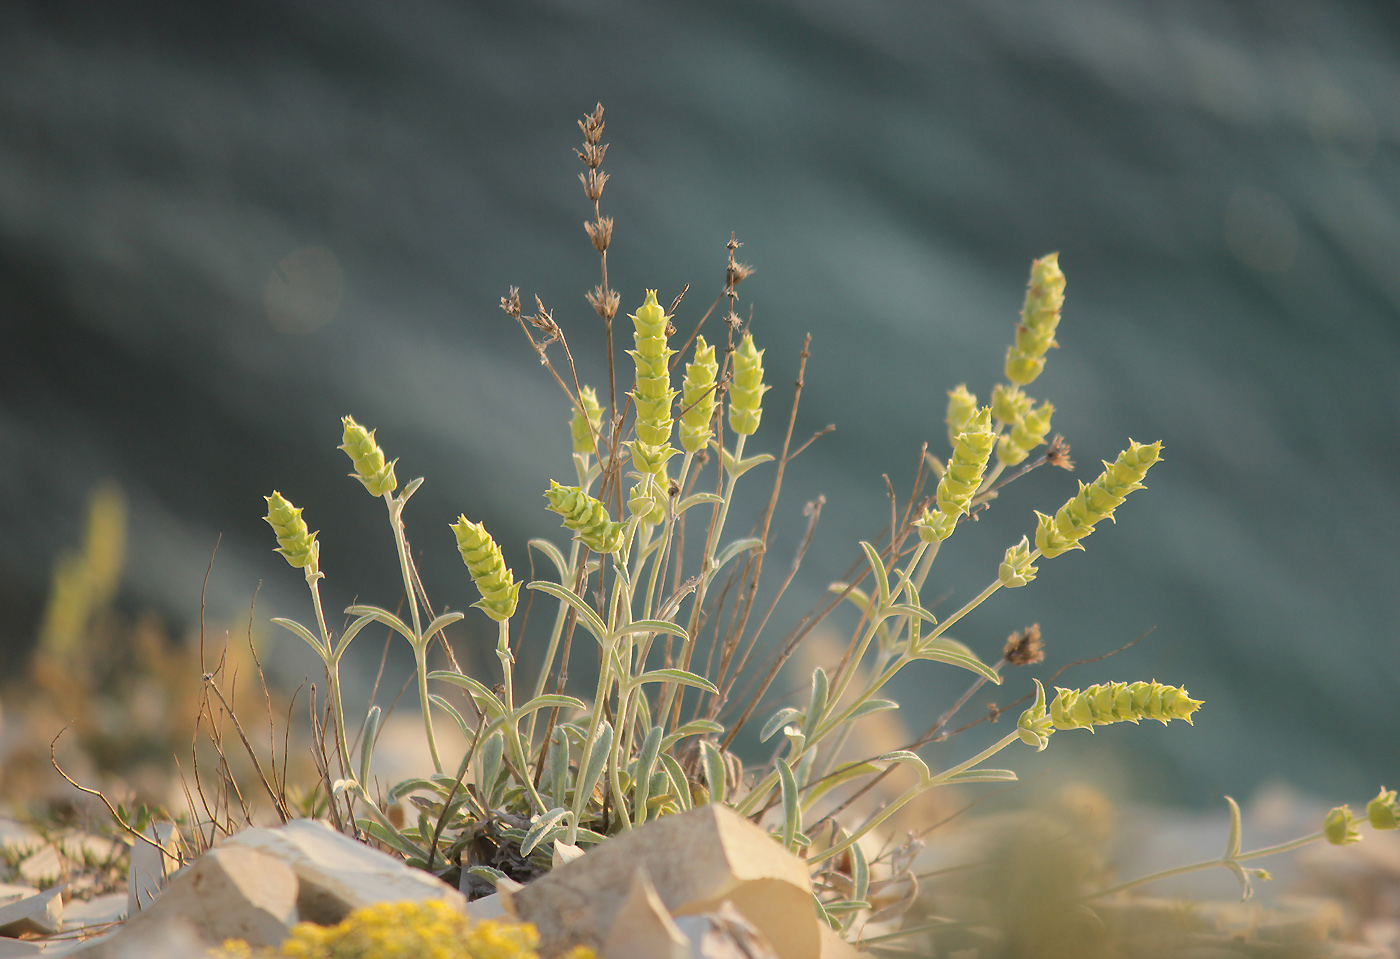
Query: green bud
(488, 569)
(586, 516)
(698, 397)
(1035, 334)
(1026, 434)
(648, 498)
(962, 406)
(1097, 501)
(586, 422)
(963, 474)
(1340, 827)
(746, 392)
(293, 540)
(1383, 812)
(934, 525)
(1016, 569)
(370, 468)
(1034, 727)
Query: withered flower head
(604, 302)
(600, 232)
(1057, 453)
(511, 302)
(1024, 647)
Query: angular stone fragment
(338, 874)
(40, 915)
(9, 892)
(150, 866)
(228, 893)
(642, 928)
(696, 860)
(95, 913)
(19, 949)
(724, 934)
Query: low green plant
(655, 737)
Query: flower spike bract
(1096, 501)
(370, 468)
(294, 541)
(488, 569)
(586, 516)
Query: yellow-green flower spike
(1016, 569)
(1340, 827)
(1035, 334)
(586, 516)
(963, 474)
(488, 569)
(586, 422)
(1026, 434)
(652, 394)
(1383, 812)
(1097, 501)
(746, 392)
(698, 397)
(962, 406)
(370, 468)
(1106, 703)
(1010, 403)
(1035, 726)
(294, 541)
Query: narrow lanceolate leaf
(684, 677)
(860, 873)
(906, 758)
(980, 776)
(556, 818)
(792, 811)
(301, 631)
(779, 719)
(646, 763)
(555, 557)
(549, 701)
(871, 706)
(823, 786)
(443, 621)
(735, 548)
(816, 704)
(367, 742)
(487, 701)
(956, 658)
(1232, 843)
(492, 751)
(877, 568)
(679, 784)
(715, 775)
(559, 764)
(451, 711)
(382, 616)
(492, 876)
(651, 626)
(586, 616)
(601, 747)
(696, 727)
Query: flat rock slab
(40, 915)
(338, 874)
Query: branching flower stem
(1204, 864)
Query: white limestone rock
(338, 874)
(151, 866)
(642, 928)
(38, 915)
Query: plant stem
(1204, 864)
(420, 651)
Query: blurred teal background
(1222, 182)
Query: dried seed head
(1340, 827)
(604, 302)
(586, 516)
(487, 568)
(1057, 453)
(961, 407)
(1016, 569)
(592, 125)
(698, 397)
(593, 181)
(511, 302)
(587, 420)
(1027, 432)
(370, 468)
(1024, 647)
(294, 541)
(1097, 501)
(736, 273)
(600, 232)
(747, 389)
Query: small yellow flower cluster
(746, 392)
(404, 930)
(488, 569)
(652, 393)
(586, 422)
(1035, 334)
(1097, 501)
(370, 468)
(294, 541)
(698, 397)
(586, 516)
